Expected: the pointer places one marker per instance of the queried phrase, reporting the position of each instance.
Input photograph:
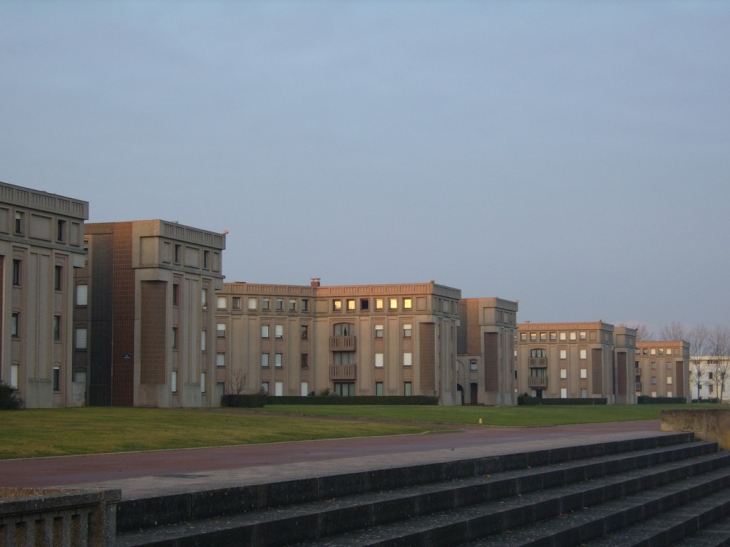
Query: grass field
(93, 430)
(516, 416)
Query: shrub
(255, 400)
(9, 399)
(535, 401)
(646, 400)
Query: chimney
(314, 282)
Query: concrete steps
(549, 496)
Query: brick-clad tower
(144, 332)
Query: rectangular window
(16, 272)
(364, 304)
(174, 337)
(221, 302)
(278, 359)
(266, 304)
(57, 278)
(407, 331)
(80, 338)
(563, 354)
(407, 359)
(82, 295)
(378, 331)
(652, 351)
(292, 304)
(175, 294)
(553, 336)
(573, 336)
(669, 351)
(669, 380)
(669, 366)
(265, 360)
(343, 357)
(14, 376)
(337, 305)
(563, 393)
(279, 331)
(206, 260)
(173, 381)
(563, 373)
(669, 393)
(56, 328)
(303, 332)
(252, 303)
(563, 336)
(582, 336)
(378, 304)
(583, 393)
(265, 387)
(533, 337)
(653, 367)
(61, 230)
(379, 389)
(473, 365)
(304, 360)
(236, 303)
(350, 304)
(56, 378)
(523, 336)
(202, 382)
(278, 389)
(392, 303)
(220, 359)
(584, 354)
(653, 380)
(407, 304)
(264, 331)
(279, 304)
(221, 330)
(19, 222)
(407, 389)
(584, 373)
(305, 304)
(204, 298)
(378, 360)
(178, 252)
(15, 325)
(304, 389)
(543, 337)
(203, 340)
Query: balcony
(343, 372)
(342, 343)
(537, 382)
(638, 386)
(539, 362)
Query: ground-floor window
(345, 388)
(379, 388)
(407, 389)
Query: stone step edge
(170, 509)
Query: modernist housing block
(662, 369)
(144, 317)
(41, 242)
(355, 340)
(576, 360)
(486, 345)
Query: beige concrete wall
(709, 425)
(659, 364)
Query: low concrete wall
(56, 517)
(709, 425)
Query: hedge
(710, 400)
(356, 400)
(244, 401)
(646, 400)
(535, 401)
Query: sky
(574, 156)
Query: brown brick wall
(153, 341)
(123, 317)
(427, 357)
(597, 365)
(491, 361)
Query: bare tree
(642, 331)
(238, 381)
(674, 331)
(719, 348)
(699, 338)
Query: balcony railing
(342, 343)
(537, 382)
(343, 372)
(540, 362)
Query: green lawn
(93, 430)
(516, 416)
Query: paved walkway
(146, 474)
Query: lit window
(533, 337)
(407, 304)
(407, 331)
(337, 305)
(669, 380)
(392, 303)
(563, 336)
(82, 295)
(264, 331)
(553, 336)
(378, 331)
(378, 360)
(350, 304)
(378, 303)
(669, 351)
(407, 359)
(573, 336)
(279, 331)
(543, 337)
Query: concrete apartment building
(486, 350)
(576, 360)
(41, 243)
(143, 316)
(714, 376)
(662, 369)
(355, 340)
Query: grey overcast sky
(572, 155)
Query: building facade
(486, 350)
(144, 321)
(41, 243)
(576, 360)
(354, 340)
(709, 377)
(662, 369)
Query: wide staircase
(661, 490)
